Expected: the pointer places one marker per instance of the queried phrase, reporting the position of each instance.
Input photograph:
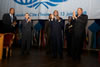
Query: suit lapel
(9, 17)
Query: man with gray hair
(78, 35)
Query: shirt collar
(11, 15)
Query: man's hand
(52, 16)
(74, 15)
(14, 24)
(29, 19)
(58, 18)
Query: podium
(1, 45)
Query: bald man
(9, 21)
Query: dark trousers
(69, 42)
(48, 46)
(77, 45)
(26, 43)
(57, 47)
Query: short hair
(27, 13)
(69, 17)
(49, 15)
(80, 9)
(11, 9)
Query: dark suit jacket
(78, 35)
(56, 31)
(7, 22)
(26, 29)
(80, 25)
(69, 27)
(47, 28)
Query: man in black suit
(47, 35)
(78, 35)
(68, 32)
(26, 34)
(9, 21)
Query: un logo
(37, 3)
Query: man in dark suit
(68, 32)
(78, 35)
(9, 21)
(47, 35)
(26, 34)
